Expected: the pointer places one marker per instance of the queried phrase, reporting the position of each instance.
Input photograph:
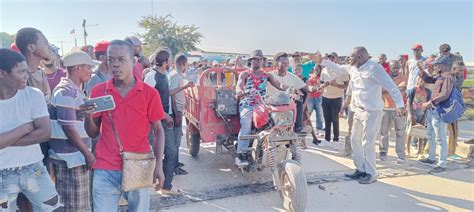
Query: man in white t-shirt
(289, 79)
(334, 85)
(412, 65)
(25, 123)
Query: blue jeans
(245, 127)
(315, 104)
(178, 134)
(171, 157)
(106, 193)
(436, 133)
(34, 182)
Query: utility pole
(85, 32)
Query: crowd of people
(51, 139)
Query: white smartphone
(103, 103)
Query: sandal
(172, 191)
(316, 142)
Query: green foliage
(468, 83)
(162, 31)
(6, 40)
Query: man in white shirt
(412, 65)
(25, 123)
(289, 79)
(367, 78)
(178, 101)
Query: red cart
(212, 110)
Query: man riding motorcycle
(251, 88)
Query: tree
(6, 40)
(162, 31)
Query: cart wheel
(193, 142)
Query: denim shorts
(31, 180)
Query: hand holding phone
(99, 104)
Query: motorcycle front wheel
(293, 180)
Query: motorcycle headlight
(282, 118)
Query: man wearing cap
(368, 78)
(141, 61)
(250, 89)
(444, 83)
(70, 145)
(102, 72)
(412, 65)
(453, 128)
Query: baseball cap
(101, 46)
(443, 60)
(134, 40)
(417, 46)
(296, 54)
(280, 54)
(334, 54)
(78, 58)
(257, 53)
(14, 48)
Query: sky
(382, 26)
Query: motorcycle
(275, 145)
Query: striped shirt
(67, 97)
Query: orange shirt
(400, 81)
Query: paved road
(214, 184)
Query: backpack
(452, 109)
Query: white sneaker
(325, 143)
(239, 162)
(336, 145)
